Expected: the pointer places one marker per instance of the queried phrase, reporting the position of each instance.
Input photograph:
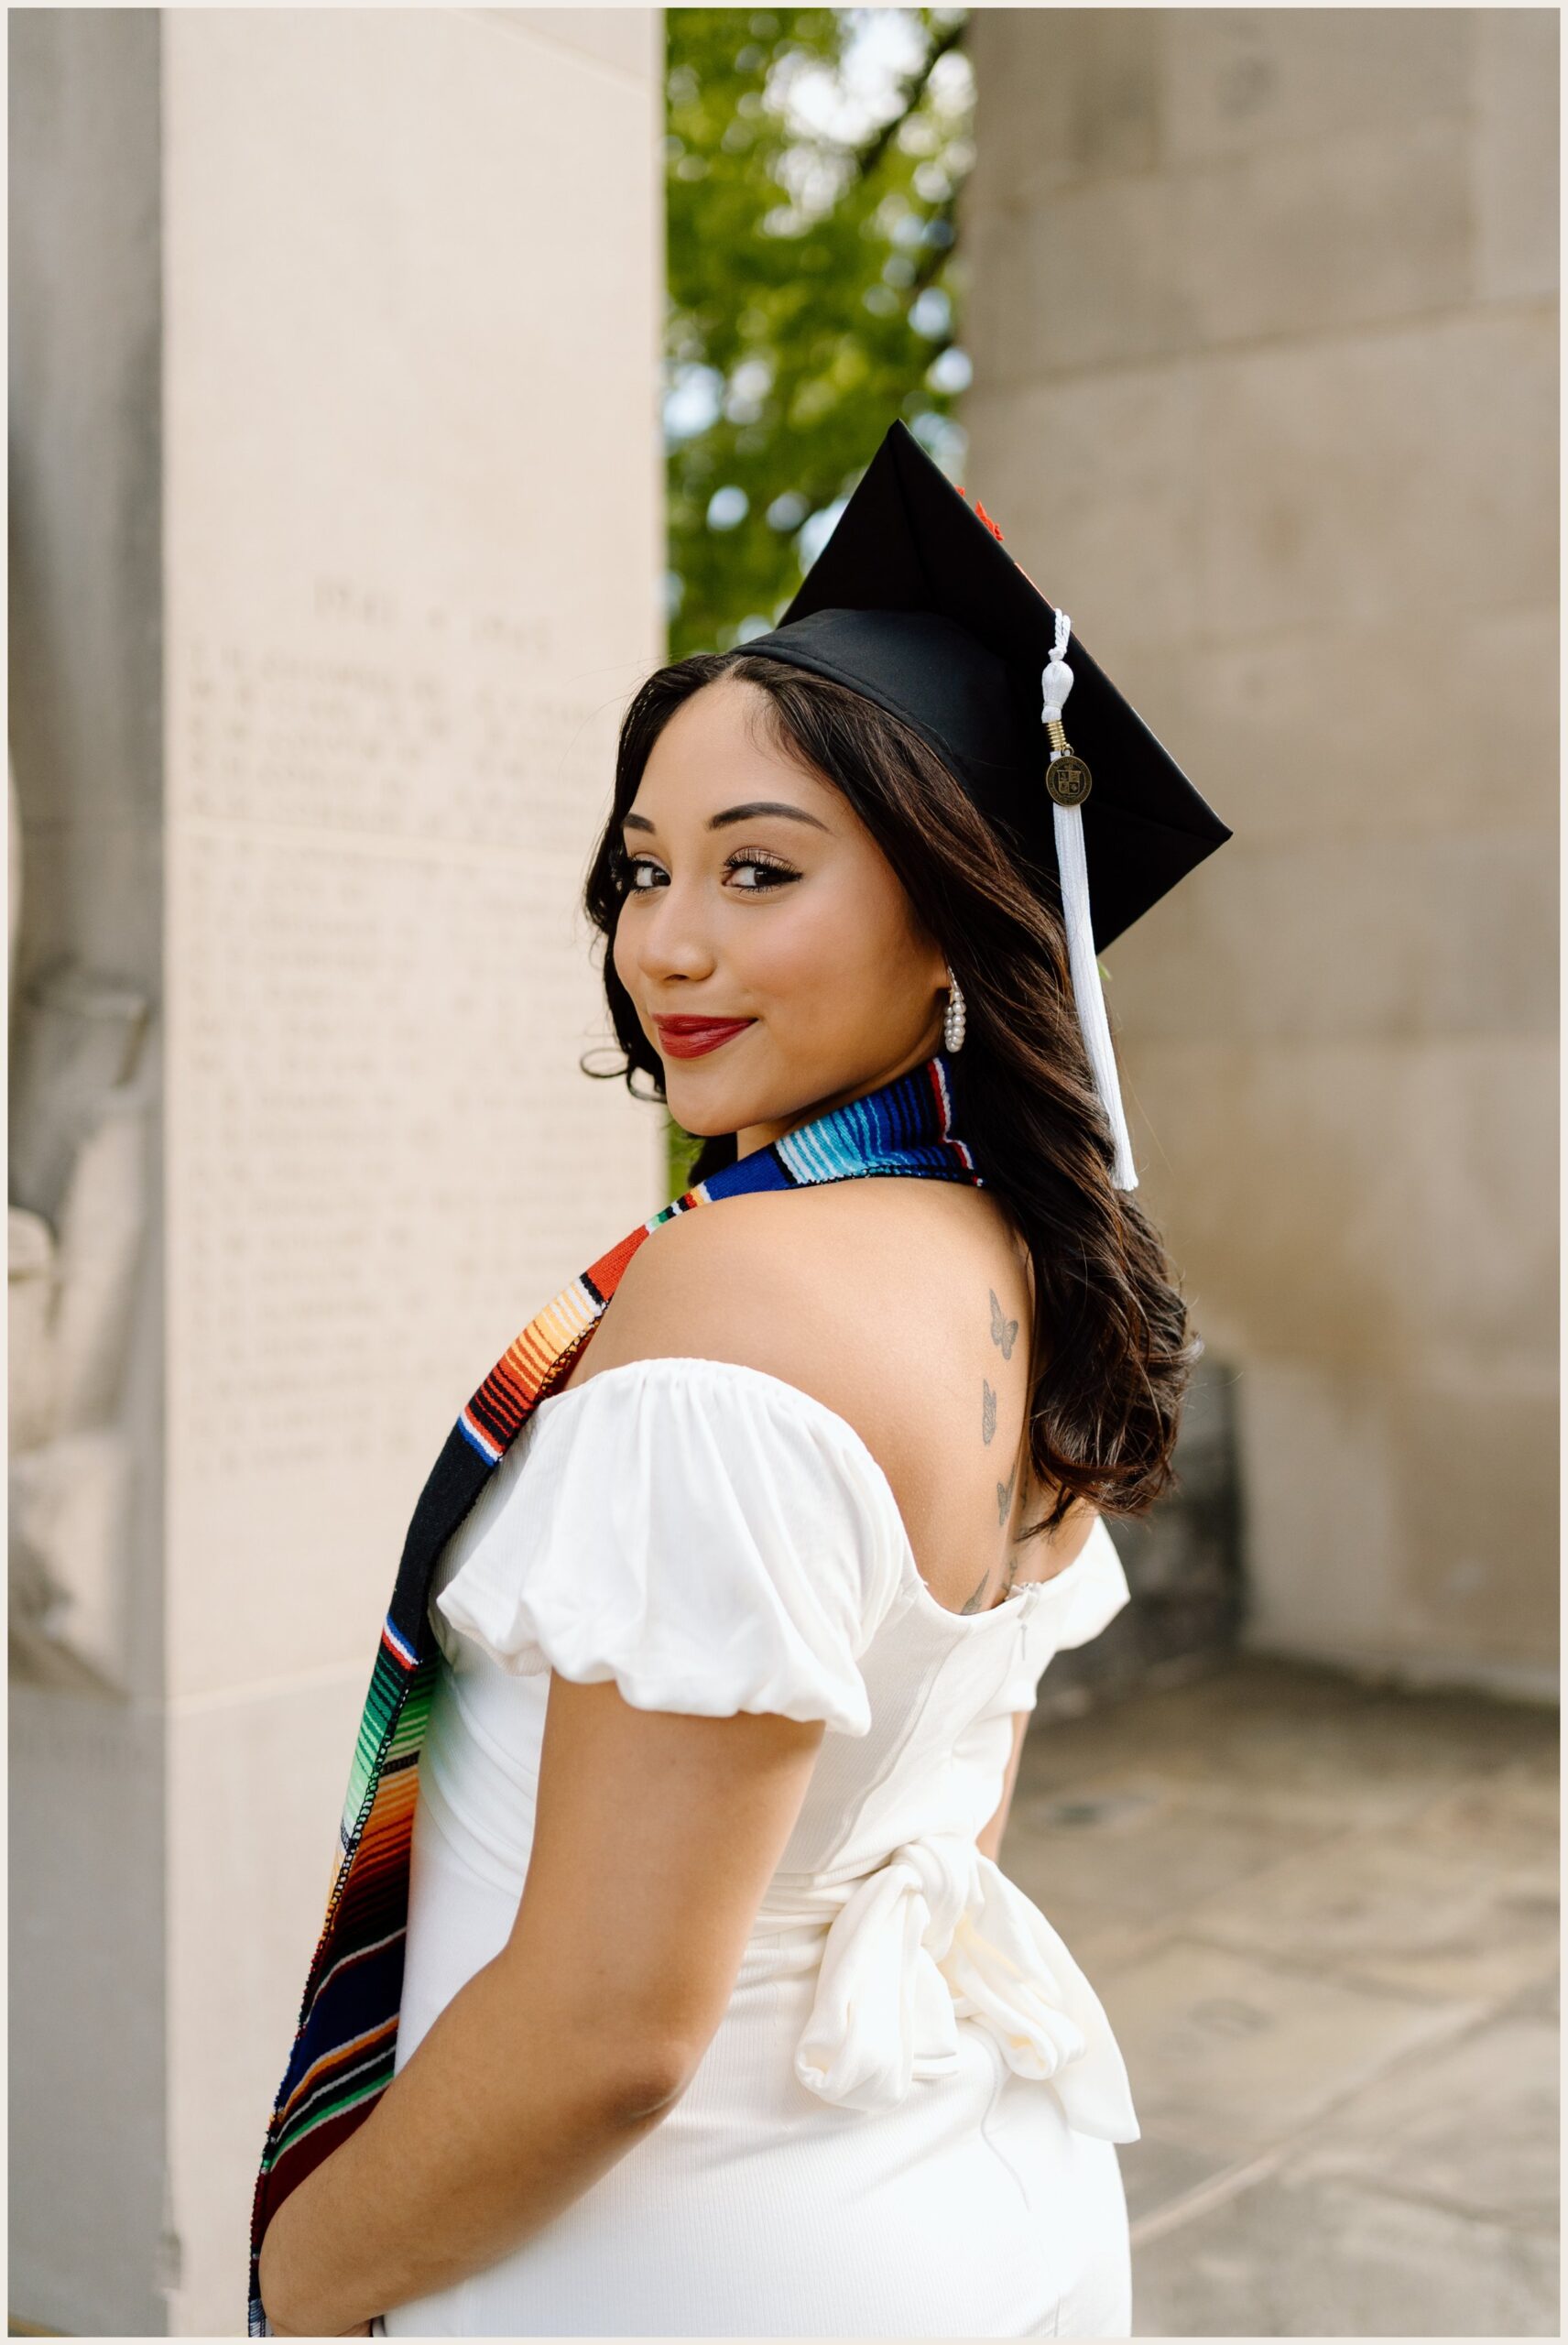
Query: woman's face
(756, 893)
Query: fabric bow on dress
(937, 1933)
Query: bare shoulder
(881, 1298)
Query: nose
(669, 939)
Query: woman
(717, 2015)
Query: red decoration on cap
(984, 516)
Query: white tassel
(1056, 682)
(1086, 990)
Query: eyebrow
(735, 814)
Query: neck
(751, 1137)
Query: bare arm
(655, 1838)
(989, 1841)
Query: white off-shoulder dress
(905, 2125)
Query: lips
(689, 1037)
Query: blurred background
(389, 391)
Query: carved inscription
(387, 722)
(381, 989)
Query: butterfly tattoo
(1005, 1496)
(1003, 1329)
(974, 1603)
(988, 1410)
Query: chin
(707, 1127)
(699, 1109)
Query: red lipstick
(690, 1037)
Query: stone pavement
(1321, 1916)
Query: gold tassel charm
(1067, 777)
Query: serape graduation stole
(342, 2059)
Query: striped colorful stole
(342, 2059)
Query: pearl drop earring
(952, 1024)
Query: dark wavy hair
(1111, 1354)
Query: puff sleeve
(709, 1537)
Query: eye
(774, 872)
(780, 873)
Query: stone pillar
(338, 476)
(1263, 325)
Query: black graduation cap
(915, 602)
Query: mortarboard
(915, 602)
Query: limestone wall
(1264, 323)
(391, 371)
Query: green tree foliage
(813, 160)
